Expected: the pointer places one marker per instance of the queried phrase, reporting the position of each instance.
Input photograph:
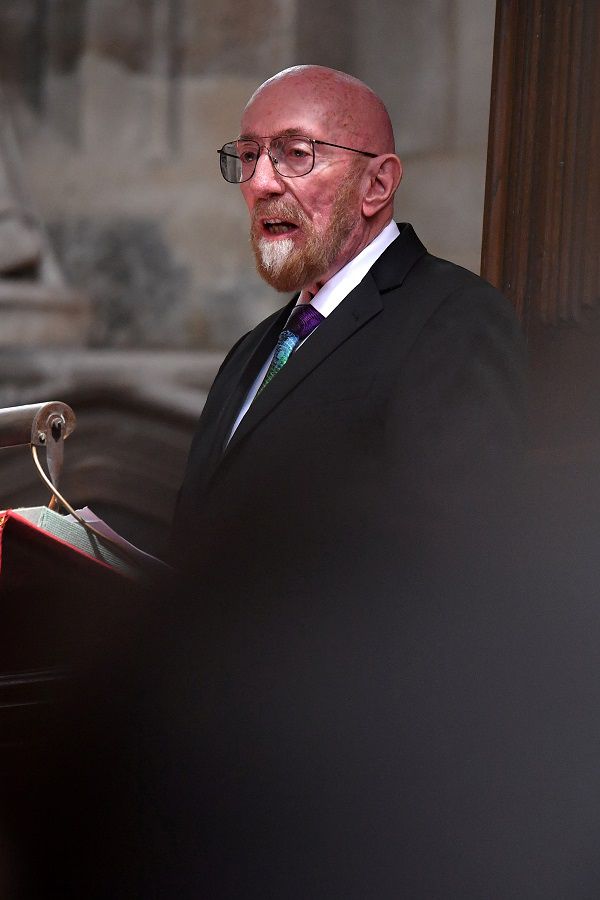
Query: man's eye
(296, 150)
(248, 156)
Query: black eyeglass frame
(311, 141)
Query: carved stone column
(36, 306)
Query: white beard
(274, 254)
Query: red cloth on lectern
(54, 598)
(24, 548)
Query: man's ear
(384, 177)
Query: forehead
(280, 109)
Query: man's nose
(266, 178)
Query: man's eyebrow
(285, 132)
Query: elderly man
(379, 400)
(356, 694)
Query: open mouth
(278, 226)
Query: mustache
(278, 209)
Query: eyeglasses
(291, 155)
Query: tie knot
(304, 318)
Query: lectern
(63, 614)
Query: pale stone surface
(120, 110)
(404, 52)
(20, 246)
(329, 38)
(35, 315)
(63, 105)
(66, 22)
(178, 380)
(442, 195)
(254, 39)
(211, 110)
(120, 31)
(36, 306)
(20, 241)
(127, 68)
(127, 270)
(474, 28)
(19, 32)
(431, 62)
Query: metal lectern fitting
(39, 425)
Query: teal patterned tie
(303, 319)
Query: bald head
(350, 111)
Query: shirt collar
(339, 286)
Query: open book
(110, 549)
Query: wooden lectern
(65, 617)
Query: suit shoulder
(436, 270)
(459, 289)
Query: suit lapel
(394, 264)
(261, 344)
(362, 304)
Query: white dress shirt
(331, 295)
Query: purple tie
(304, 318)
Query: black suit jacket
(353, 696)
(336, 711)
(388, 420)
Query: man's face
(303, 229)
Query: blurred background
(125, 266)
